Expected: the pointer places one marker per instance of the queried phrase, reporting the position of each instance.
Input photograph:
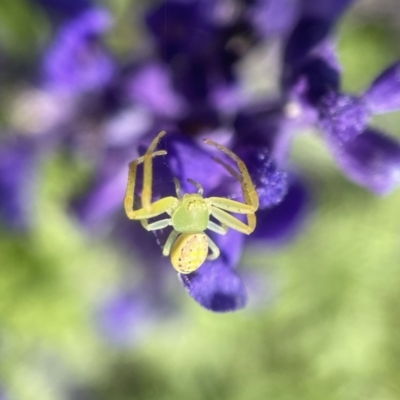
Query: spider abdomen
(189, 251)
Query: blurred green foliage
(329, 331)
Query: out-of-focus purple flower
(273, 17)
(103, 199)
(179, 27)
(311, 79)
(64, 8)
(3, 395)
(342, 117)
(150, 85)
(202, 49)
(269, 181)
(316, 21)
(123, 317)
(372, 160)
(216, 286)
(281, 223)
(384, 93)
(17, 172)
(263, 125)
(76, 61)
(129, 309)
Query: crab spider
(189, 214)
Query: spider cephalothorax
(189, 214)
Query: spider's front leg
(217, 205)
(148, 209)
(248, 190)
(250, 205)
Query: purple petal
(371, 160)
(121, 319)
(17, 163)
(216, 287)
(329, 10)
(259, 124)
(308, 33)
(151, 86)
(273, 17)
(76, 61)
(342, 117)
(384, 93)
(187, 160)
(313, 29)
(230, 245)
(179, 27)
(64, 8)
(104, 196)
(271, 183)
(103, 199)
(314, 26)
(309, 51)
(269, 125)
(282, 222)
(318, 76)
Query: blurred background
(323, 315)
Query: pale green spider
(189, 215)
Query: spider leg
(197, 185)
(130, 187)
(231, 205)
(214, 249)
(218, 204)
(170, 241)
(178, 189)
(248, 189)
(232, 222)
(234, 173)
(220, 229)
(148, 171)
(153, 209)
(154, 226)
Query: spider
(189, 214)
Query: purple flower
(273, 17)
(342, 117)
(372, 160)
(179, 27)
(122, 317)
(64, 8)
(150, 85)
(316, 21)
(384, 93)
(201, 41)
(17, 175)
(216, 284)
(311, 80)
(269, 181)
(76, 61)
(280, 224)
(285, 199)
